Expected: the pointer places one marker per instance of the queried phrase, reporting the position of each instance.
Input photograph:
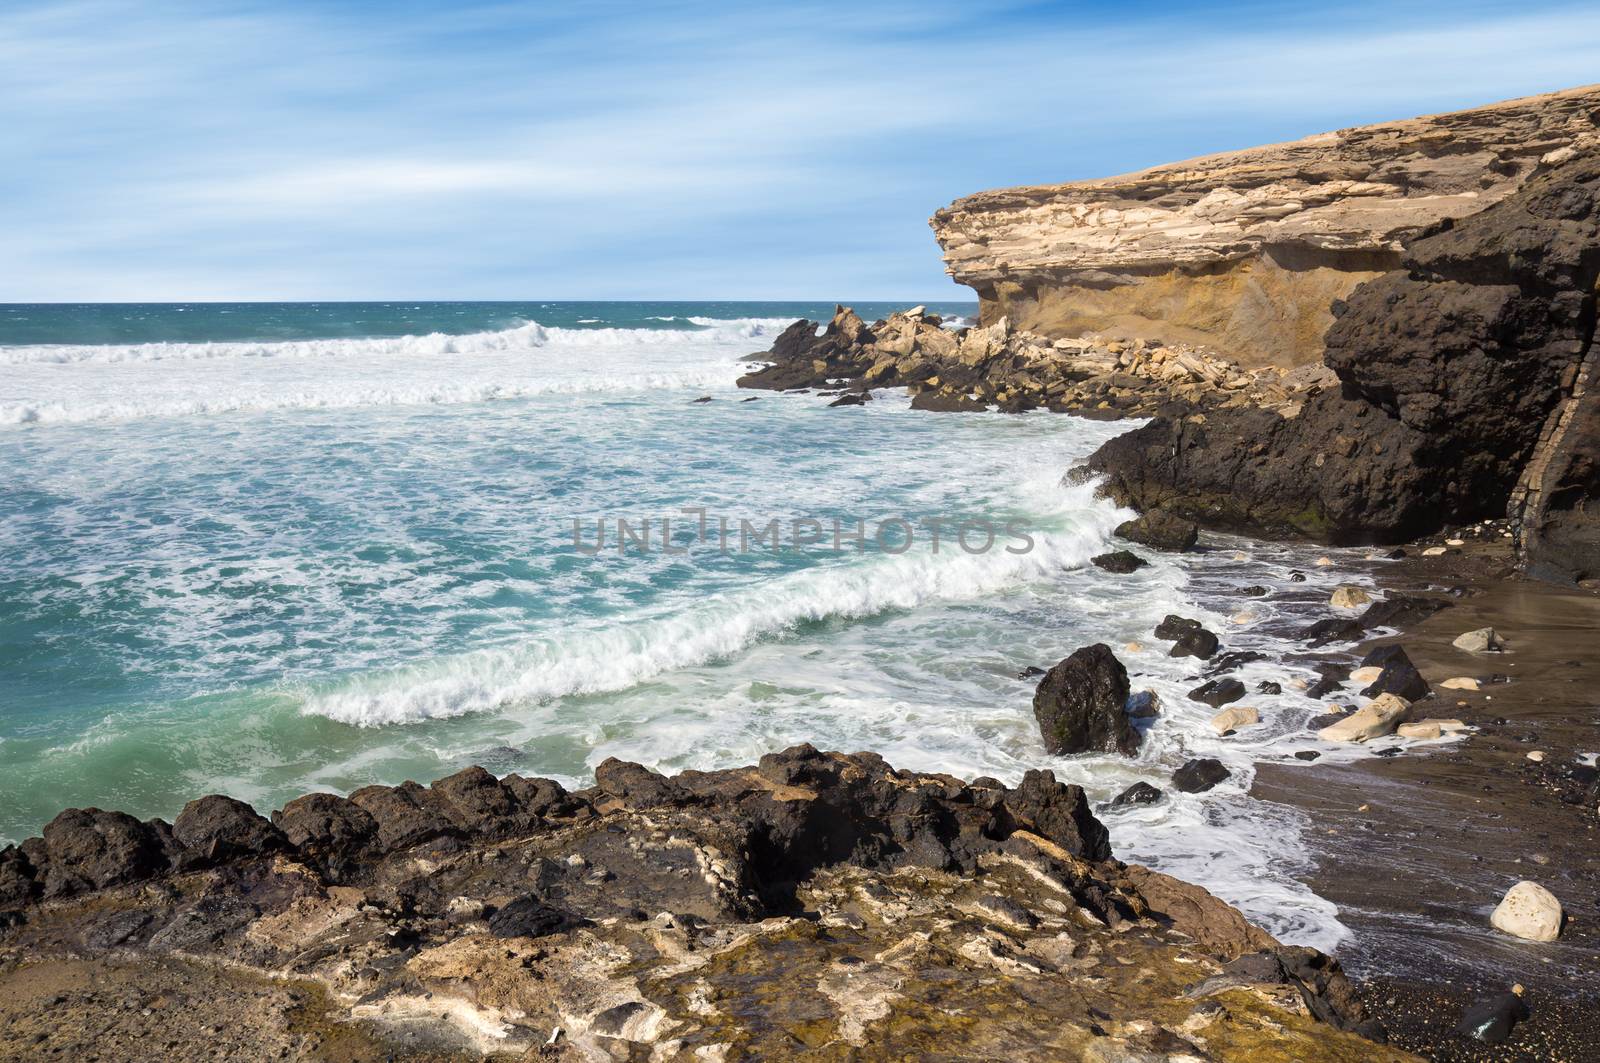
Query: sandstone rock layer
(1247, 251)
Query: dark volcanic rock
(1079, 705)
(1333, 629)
(1197, 643)
(1400, 678)
(1448, 370)
(1218, 692)
(1198, 776)
(1230, 662)
(85, 848)
(1140, 793)
(1120, 562)
(530, 916)
(1400, 610)
(405, 814)
(334, 831)
(1492, 1019)
(1161, 530)
(1175, 627)
(216, 828)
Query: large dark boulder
(334, 831)
(1399, 677)
(1119, 562)
(1079, 705)
(405, 815)
(1199, 775)
(1448, 370)
(86, 848)
(1161, 530)
(216, 828)
(1218, 692)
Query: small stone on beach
(1231, 719)
(1483, 640)
(1350, 598)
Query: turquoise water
(264, 549)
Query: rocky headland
(815, 905)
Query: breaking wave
(524, 336)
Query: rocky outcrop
(998, 367)
(1450, 371)
(1246, 252)
(814, 904)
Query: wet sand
(1417, 849)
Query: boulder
(1349, 598)
(86, 848)
(1160, 530)
(1119, 562)
(1173, 626)
(1199, 775)
(1140, 793)
(1233, 718)
(1197, 643)
(1483, 640)
(1400, 678)
(1460, 682)
(1333, 629)
(1528, 911)
(1366, 673)
(1492, 1019)
(217, 828)
(1373, 720)
(1079, 705)
(1218, 692)
(333, 830)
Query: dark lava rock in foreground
(1080, 705)
(813, 900)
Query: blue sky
(156, 150)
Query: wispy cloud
(482, 150)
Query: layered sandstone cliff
(1247, 251)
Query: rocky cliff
(815, 905)
(1465, 392)
(1246, 252)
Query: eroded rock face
(1247, 251)
(813, 903)
(1450, 371)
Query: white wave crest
(622, 655)
(350, 397)
(525, 336)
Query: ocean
(262, 549)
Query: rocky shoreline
(815, 904)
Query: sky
(159, 150)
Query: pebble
(1482, 640)
(1235, 717)
(1460, 682)
(1536, 756)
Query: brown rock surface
(813, 906)
(1246, 251)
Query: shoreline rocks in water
(1081, 705)
(811, 900)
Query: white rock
(1243, 616)
(1455, 542)
(1366, 675)
(1528, 911)
(1423, 729)
(1461, 682)
(1373, 720)
(1324, 562)
(1536, 756)
(1134, 647)
(1433, 551)
(1234, 717)
(1350, 598)
(1483, 640)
